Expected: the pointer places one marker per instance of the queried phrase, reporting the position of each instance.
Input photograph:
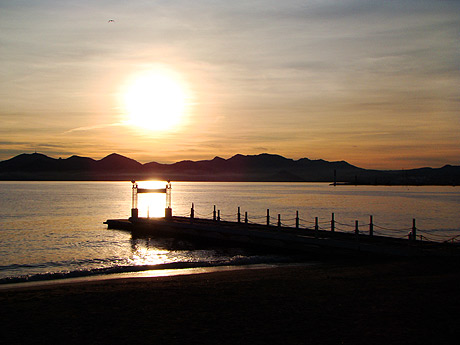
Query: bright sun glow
(155, 100)
(152, 204)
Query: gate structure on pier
(136, 190)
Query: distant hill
(262, 167)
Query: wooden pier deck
(288, 238)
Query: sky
(374, 83)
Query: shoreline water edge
(140, 273)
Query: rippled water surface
(53, 229)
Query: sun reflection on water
(144, 254)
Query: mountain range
(263, 167)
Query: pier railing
(411, 233)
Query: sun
(155, 100)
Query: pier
(286, 238)
(276, 235)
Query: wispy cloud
(91, 128)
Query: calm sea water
(50, 230)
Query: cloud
(91, 128)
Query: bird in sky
(111, 21)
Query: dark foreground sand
(383, 302)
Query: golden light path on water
(150, 205)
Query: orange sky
(373, 83)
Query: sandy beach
(348, 302)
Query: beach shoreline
(148, 273)
(349, 302)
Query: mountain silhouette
(118, 163)
(261, 167)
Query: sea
(56, 230)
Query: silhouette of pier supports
(216, 216)
(413, 234)
(371, 226)
(296, 237)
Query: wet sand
(376, 302)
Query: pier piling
(316, 227)
(371, 226)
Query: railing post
(214, 214)
(316, 227)
(192, 211)
(268, 217)
(333, 223)
(371, 226)
(279, 220)
(414, 230)
(239, 215)
(356, 229)
(296, 219)
(246, 217)
(218, 215)
(134, 213)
